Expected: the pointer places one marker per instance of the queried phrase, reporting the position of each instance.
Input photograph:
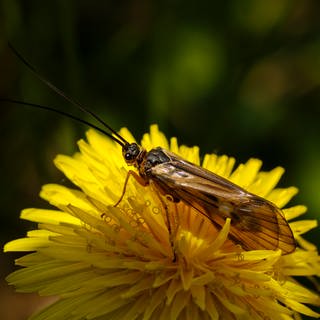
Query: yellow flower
(106, 262)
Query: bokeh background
(237, 77)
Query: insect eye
(128, 156)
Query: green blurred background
(238, 77)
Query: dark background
(238, 77)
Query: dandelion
(106, 262)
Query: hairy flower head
(106, 262)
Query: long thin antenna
(66, 114)
(62, 94)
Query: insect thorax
(153, 158)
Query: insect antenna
(66, 114)
(66, 97)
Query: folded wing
(255, 222)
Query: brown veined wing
(255, 222)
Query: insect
(256, 223)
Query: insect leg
(171, 236)
(138, 179)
